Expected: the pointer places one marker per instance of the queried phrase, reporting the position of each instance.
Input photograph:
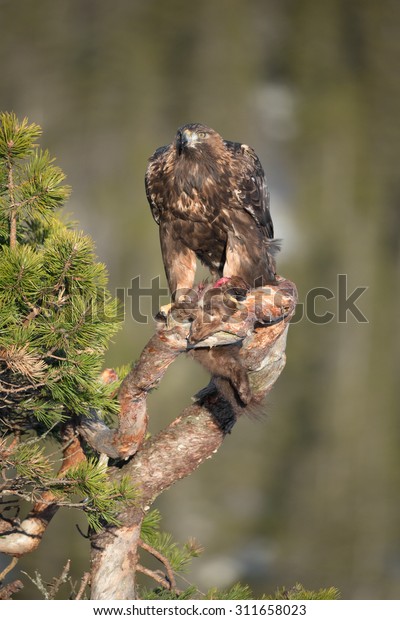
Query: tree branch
(261, 307)
(8, 568)
(9, 589)
(154, 575)
(83, 585)
(123, 442)
(18, 538)
(260, 324)
(13, 208)
(163, 560)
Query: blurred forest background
(310, 493)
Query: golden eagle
(211, 201)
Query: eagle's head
(194, 139)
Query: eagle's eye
(202, 134)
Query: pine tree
(56, 315)
(56, 320)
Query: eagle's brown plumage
(210, 199)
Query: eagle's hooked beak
(186, 139)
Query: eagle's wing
(251, 189)
(153, 181)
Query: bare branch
(9, 589)
(58, 581)
(159, 353)
(84, 583)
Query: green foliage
(28, 471)
(240, 592)
(41, 191)
(299, 593)
(56, 321)
(17, 139)
(56, 315)
(150, 525)
(31, 463)
(160, 594)
(178, 557)
(101, 497)
(237, 592)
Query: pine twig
(154, 575)
(38, 582)
(13, 211)
(58, 581)
(21, 538)
(84, 582)
(162, 559)
(50, 590)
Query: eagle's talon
(231, 301)
(187, 301)
(163, 312)
(160, 318)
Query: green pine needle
(235, 593)
(30, 463)
(17, 138)
(178, 557)
(101, 498)
(42, 191)
(150, 524)
(19, 269)
(161, 594)
(299, 593)
(55, 309)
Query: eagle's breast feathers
(210, 198)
